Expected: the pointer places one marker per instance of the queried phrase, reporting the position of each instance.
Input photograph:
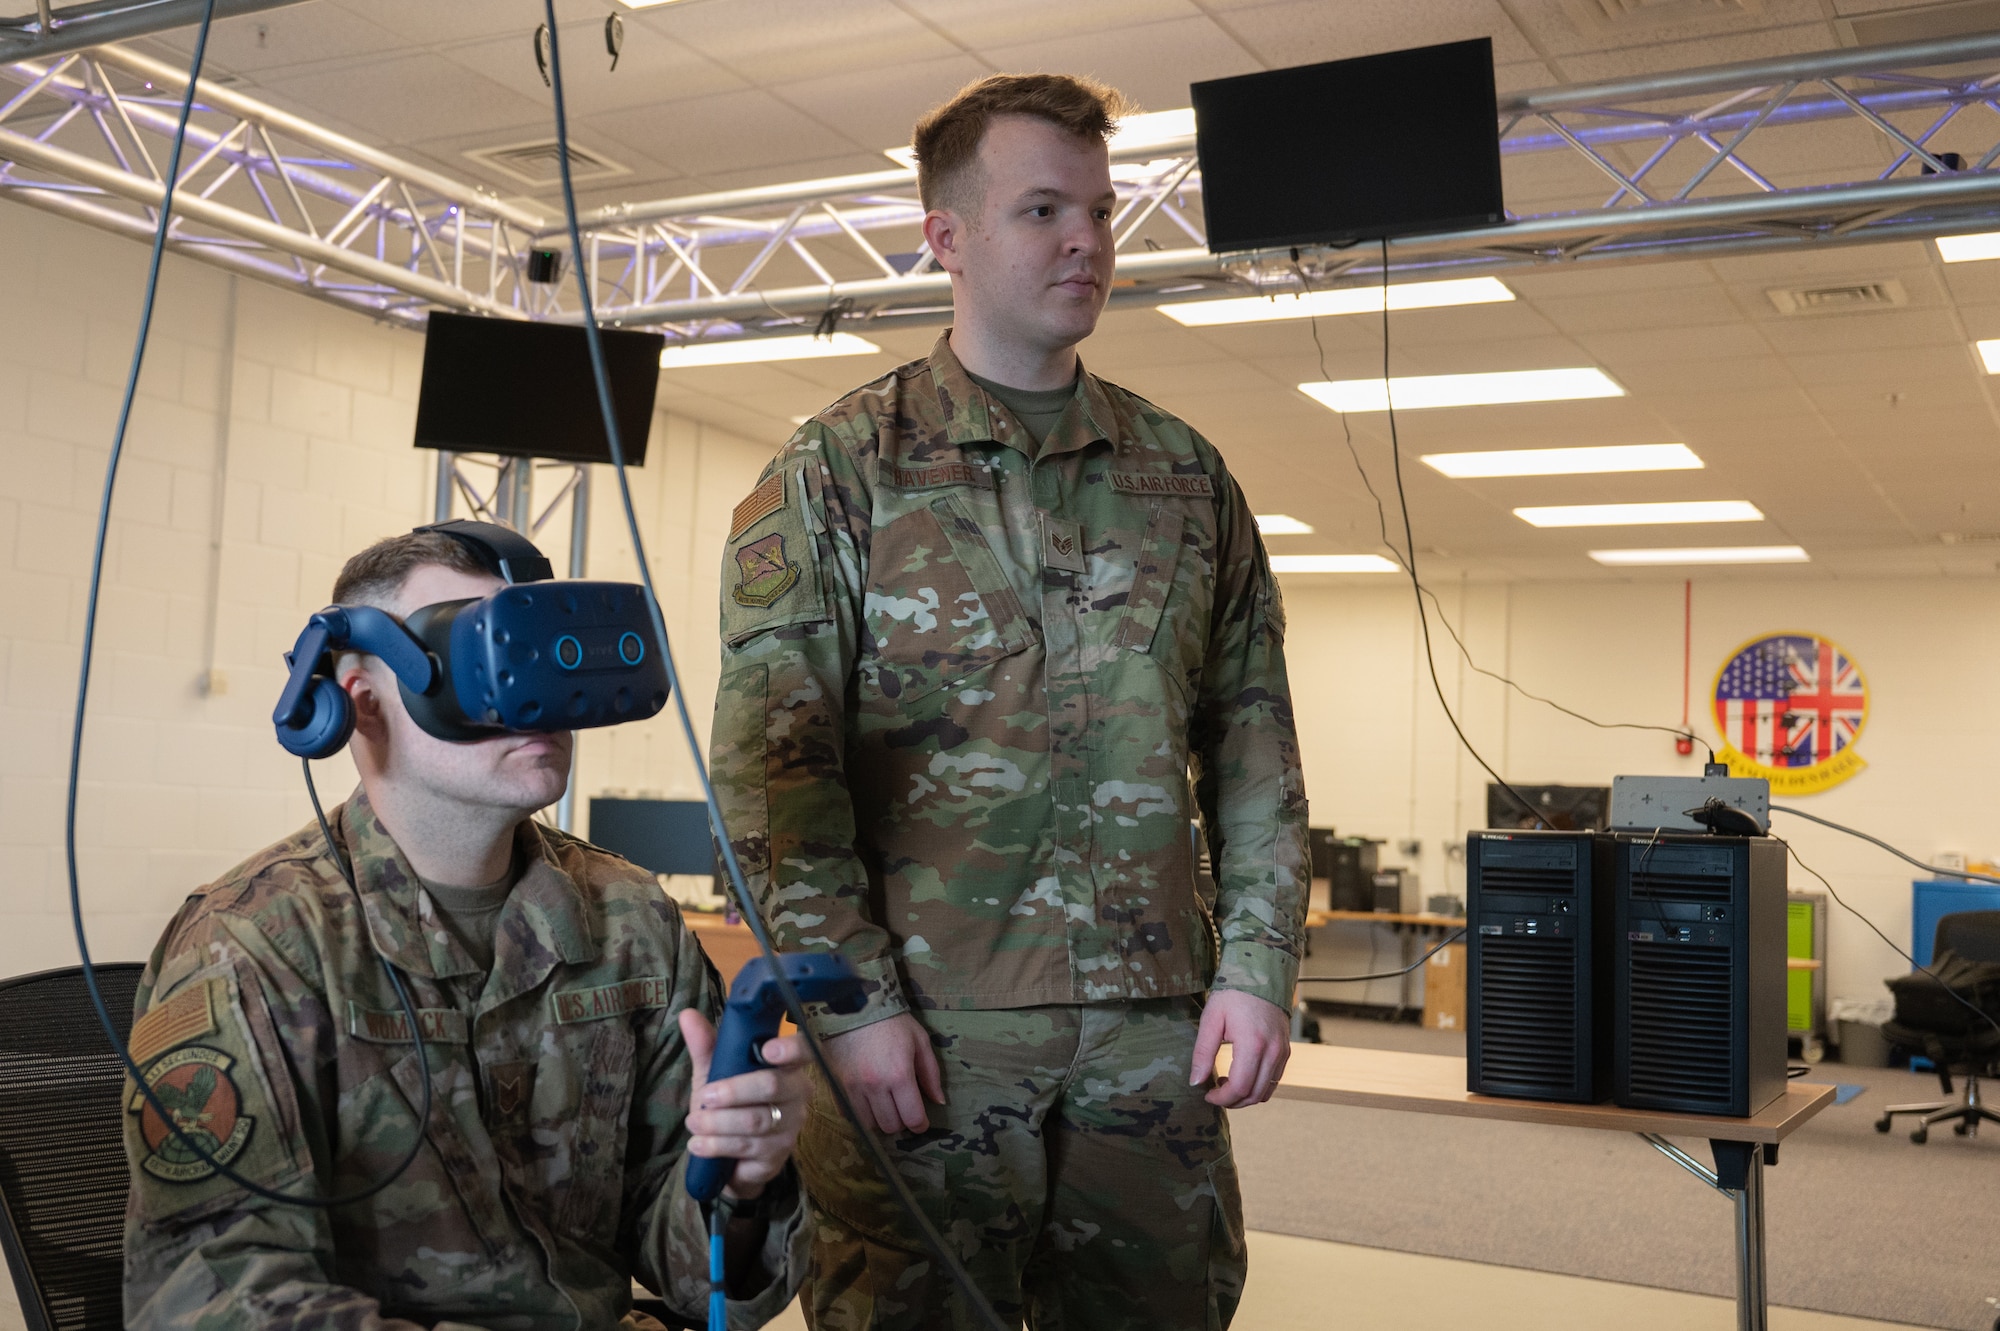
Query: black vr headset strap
(505, 552)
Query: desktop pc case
(1538, 934)
(1698, 973)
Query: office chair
(1954, 1040)
(62, 1147)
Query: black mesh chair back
(1972, 934)
(62, 1151)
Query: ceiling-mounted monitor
(1381, 145)
(525, 389)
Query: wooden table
(1433, 1084)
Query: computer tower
(1698, 973)
(1387, 885)
(1351, 874)
(1538, 919)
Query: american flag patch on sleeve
(759, 504)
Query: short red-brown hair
(374, 576)
(947, 139)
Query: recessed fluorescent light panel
(1282, 524)
(1331, 564)
(742, 351)
(1966, 249)
(1464, 390)
(1630, 515)
(1989, 352)
(1712, 554)
(1134, 133)
(1564, 461)
(1347, 300)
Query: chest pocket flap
(940, 606)
(1152, 578)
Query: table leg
(1739, 1176)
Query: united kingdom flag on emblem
(1790, 700)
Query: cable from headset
(751, 916)
(1361, 470)
(170, 180)
(1410, 555)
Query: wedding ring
(777, 1116)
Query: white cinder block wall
(271, 439)
(1382, 762)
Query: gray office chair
(62, 1147)
(1932, 1024)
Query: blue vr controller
(751, 1017)
(536, 656)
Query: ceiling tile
(728, 132)
(652, 69)
(982, 24)
(872, 110)
(1304, 32)
(777, 41)
(1153, 64)
(389, 97)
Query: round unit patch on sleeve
(195, 1085)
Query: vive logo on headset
(537, 656)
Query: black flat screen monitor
(1382, 145)
(525, 389)
(666, 836)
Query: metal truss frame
(1696, 163)
(53, 31)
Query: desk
(1408, 929)
(1434, 1084)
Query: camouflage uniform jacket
(552, 1171)
(970, 701)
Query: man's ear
(352, 674)
(944, 231)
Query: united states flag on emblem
(1790, 701)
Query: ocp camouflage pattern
(970, 701)
(553, 1168)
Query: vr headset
(537, 656)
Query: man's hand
(1259, 1035)
(882, 1065)
(733, 1118)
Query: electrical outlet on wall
(1410, 848)
(1454, 852)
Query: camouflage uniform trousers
(1073, 1170)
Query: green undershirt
(1038, 409)
(472, 914)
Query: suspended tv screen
(1381, 145)
(525, 389)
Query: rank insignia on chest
(763, 574)
(195, 1086)
(1062, 544)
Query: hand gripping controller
(751, 1017)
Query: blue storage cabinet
(1934, 898)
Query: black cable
(1450, 938)
(1410, 559)
(132, 1069)
(751, 916)
(1877, 841)
(1382, 525)
(1961, 1000)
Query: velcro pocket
(975, 556)
(1152, 579)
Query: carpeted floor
(1857, 1222)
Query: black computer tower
(1698, 973)
(1538, 919)
(1351, 874)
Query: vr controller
(539, 655)
(751, 1017)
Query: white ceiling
(1862, 436)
